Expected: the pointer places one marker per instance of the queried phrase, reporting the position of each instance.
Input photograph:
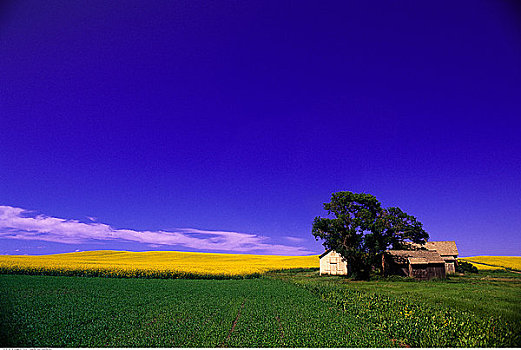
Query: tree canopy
(360, 230)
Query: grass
(107, 263)
(486, 294)
(472, 311)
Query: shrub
(464, 267)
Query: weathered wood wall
(427, 271)
(401, 267)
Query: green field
(47, 311)
(279, 310)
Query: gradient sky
(224, 125)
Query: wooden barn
(331, 263)
(419, 264)
(447, 250)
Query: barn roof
(442, 247)
(416, 256)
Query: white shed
(331, 263)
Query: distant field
(152, 264)
(184, 264)
(495, 262)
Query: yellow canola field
(152, 264)
(495, 262)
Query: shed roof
(417, 256)
(324, 253)
(442, 247)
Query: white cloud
(16, 224)
(294, 239)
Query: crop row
(279, 314)
(41, 311)
(47, 311)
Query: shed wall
(333, 264)
(427, 271)
(450, 267)
(402, 267)
(391, 267)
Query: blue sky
(223, 126)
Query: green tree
(360, 230)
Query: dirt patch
(280, 327)
(400, 343)
(233, 325)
